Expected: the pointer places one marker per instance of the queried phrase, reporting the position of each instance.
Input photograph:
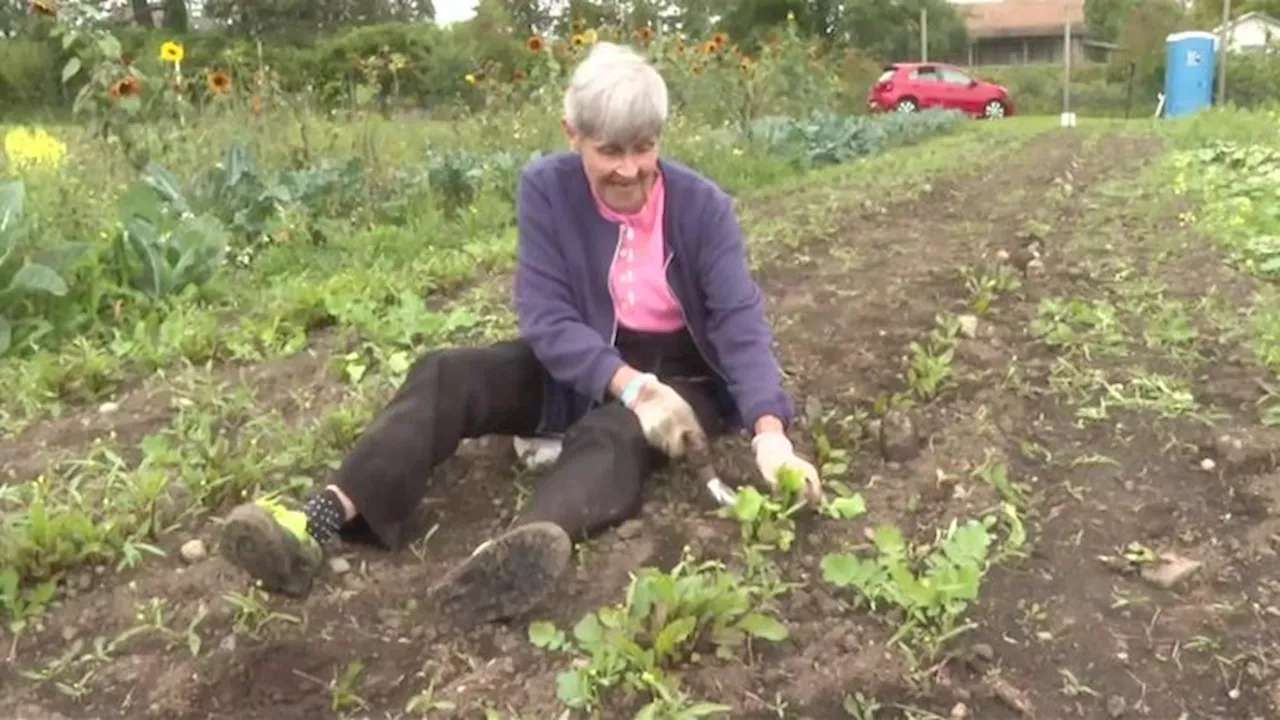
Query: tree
(1103, 17)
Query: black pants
(460, 393)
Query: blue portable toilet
(1190, 65)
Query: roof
(1261, 17)
(1021, 18)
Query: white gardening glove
(669, 423)
(774, 451)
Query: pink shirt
(641, 297)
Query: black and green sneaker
(504, 577)
(271, 543)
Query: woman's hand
(669, 423)
(774, 452)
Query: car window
(927, 74)
(955, 77)
(886, 75)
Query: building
(1020, 32)
(1252, 32)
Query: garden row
(241, 264)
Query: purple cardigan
(565, 308)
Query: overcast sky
(451, 11)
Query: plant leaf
(542, 633)
(38, 278)
(71, 68)
(763, 626)
(11, 196)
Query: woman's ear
(570, 133)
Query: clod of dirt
(630, 529)
(1116, 706)
(193, 551)
(1009, 695)
(30, 712)
(982, 652)
(173, 503)
(1022, 256)
(1169, 570)
(959, 712)
(108, 408)
(339, 565)
(898, 439)
(813, 409)
(1248, 451)
(1035, 268)
(968, 325)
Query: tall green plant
(28, 279)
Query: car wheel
(994, 109)
(906, 105)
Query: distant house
(1020, 32)
(1252, 32)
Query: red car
(911, 87)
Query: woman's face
(621, 174)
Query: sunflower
(126, 87)
(219, 83)
(519, 76)
(720, 39)
(578, 40)
(172, 53)
(644, 34)
(710, 48)
(46, 8)
(696, 69)
(536, 44)
(745, 64)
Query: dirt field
(1067, 356)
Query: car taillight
(884, 87)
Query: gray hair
(616, 95)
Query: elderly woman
(642, 333)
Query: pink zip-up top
(641, 296)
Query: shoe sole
(505, 578)
(255, 543)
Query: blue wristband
(632, 389)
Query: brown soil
(1059, 634)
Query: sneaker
(506, 576)
(271, 543)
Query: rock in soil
(193, 551)
(968, 326)
(1116, 706)
(898, 439)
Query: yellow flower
(172, 53)
(471, 79)
(33, 148)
